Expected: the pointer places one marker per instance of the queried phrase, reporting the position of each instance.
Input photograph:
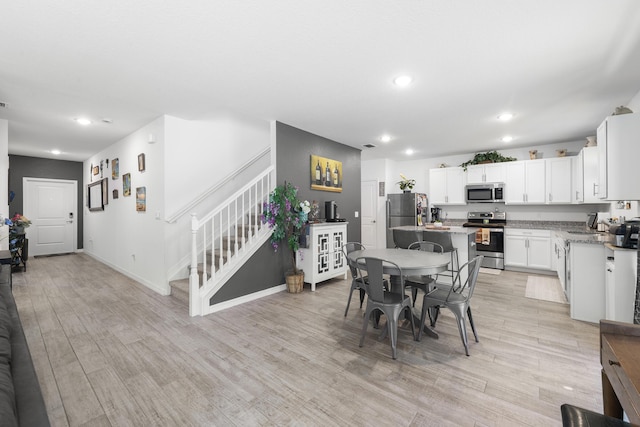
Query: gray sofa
(21, 402)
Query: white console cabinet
(323, 258)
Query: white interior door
(50, 204)
(369, 207)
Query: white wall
(186, 159)
(199, 153)
(131, 242)
(4, 170)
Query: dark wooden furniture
(620, 359)
(19, 247)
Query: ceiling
(323, 66)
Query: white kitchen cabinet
(620, 283)
(590, 174)
(619, 151)
(559, 252)
(577, 184)
(491, 172)
(558, 180)
(525, 182)
(527, 248)
(586, 281)
(446, 186)
(323, 259)
(585, 176)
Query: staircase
(222, 241)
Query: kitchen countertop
(454, 229)
(571, 231)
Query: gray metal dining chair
(391, 304)
(403, 238)
(444, 240)
(357, 282)
(422, 282)
(456, 299)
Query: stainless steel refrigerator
(405, 209)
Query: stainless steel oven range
(488, 240)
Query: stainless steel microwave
(491, 192)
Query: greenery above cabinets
(488, 157)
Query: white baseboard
(166, 290)
(246, 298)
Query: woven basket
(295, 282)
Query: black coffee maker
(330, 211)
(436, 214)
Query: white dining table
(411, 262)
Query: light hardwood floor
(108, 351)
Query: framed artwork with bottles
(326, 174)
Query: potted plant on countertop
(488, 157)
(406, 184)
(286, 215)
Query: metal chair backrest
(347, 248)
(466, 289)
(427, 247)
(403, 238)
(443, 239)
(375, 285)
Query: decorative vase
(295, 282)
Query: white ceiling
(322, 66)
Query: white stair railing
(224, 239)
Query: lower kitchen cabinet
(620, 283)
(322, 259)
(585, 276)
(527, 248)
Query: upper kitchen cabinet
(525, 182)
(490, 172)
(446, 186)
(585, 176)
(619, 151)
(558, 174)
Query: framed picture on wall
(126, 184)
(115, 168)
(94, 197)
(141, 199)
(105, 191)
(326, 174)
(141, 162)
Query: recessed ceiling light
(83, 121)
(505, 117)
(402, 81)
(506, 138)
(56, 152)
(409, 151)
(385, 138)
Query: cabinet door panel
(539, 252)
(438, 186)
(535, 181)
(515, 251)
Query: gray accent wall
(36, 167)
(294, 148)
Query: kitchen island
(459, 238)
